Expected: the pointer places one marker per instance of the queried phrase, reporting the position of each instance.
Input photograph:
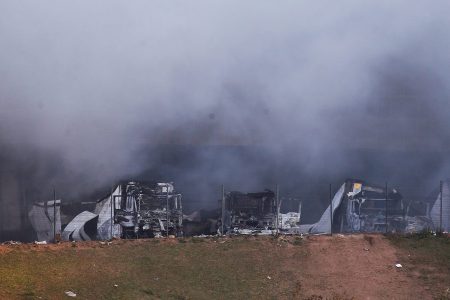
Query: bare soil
(356, 267)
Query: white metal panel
(435, 212)
(324, 224)
(42, 218)
(72, 230)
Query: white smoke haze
(95, 83)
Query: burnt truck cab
(369, 208)
(149, 210)
(248, 213)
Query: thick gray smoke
(93, 86)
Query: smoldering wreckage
(152, 210)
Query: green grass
(430, 248)
(188, 269)
(195, 268)
(428, 257)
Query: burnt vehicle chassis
(149, 210)
(370, 208)
(248, 213)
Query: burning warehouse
(139, 210)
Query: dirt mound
(354, 266)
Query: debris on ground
(40, 243)
(105, 243)
(70, 294)
(398, 266)
(202, 236)
(11, 243)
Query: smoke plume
(91, 90)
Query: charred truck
(149, 210)
(249, 213)
(362, 207)
(132, 210)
